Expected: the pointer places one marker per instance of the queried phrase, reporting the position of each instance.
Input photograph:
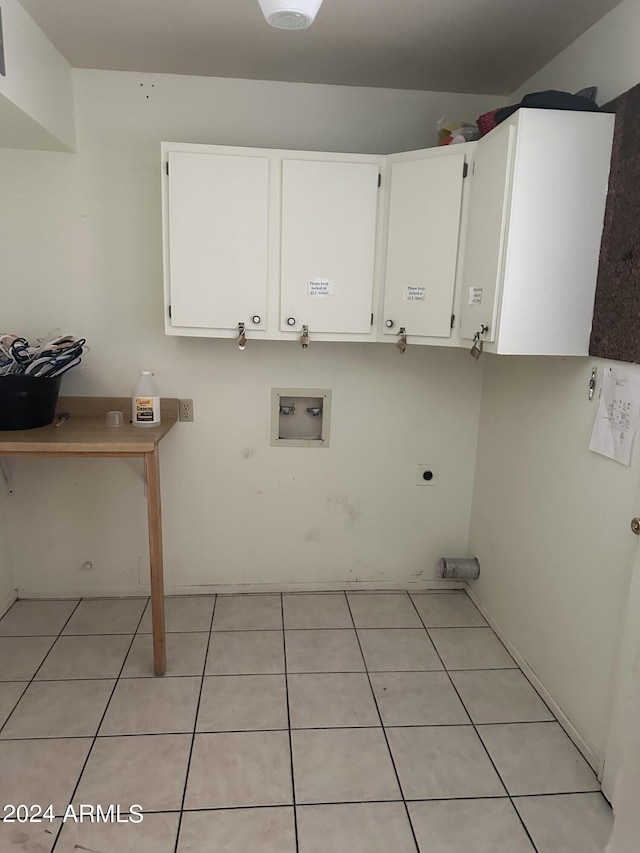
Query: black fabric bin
(27, 402)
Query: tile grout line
(296, 729)
(32, 679)
(384, 732)
(180, 810)
(475, 728)
(529, 682)
(250, 807)
(286, 683)
(104, 714)
(497, 668)
(195, 727)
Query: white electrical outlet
(185, 410)
(427, 475)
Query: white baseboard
(7, 601)
(424, 585)
(74, 594)
(222, 589)
(333, 586)
(595, 762)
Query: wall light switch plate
(427, 475)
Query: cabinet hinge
(167, 167)
(465, 170)
(453, 320)
(169, 311)
(379, 179)
(372, 319)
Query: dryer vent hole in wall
(458, 568)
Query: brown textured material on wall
(615, 331)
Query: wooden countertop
(85, 433)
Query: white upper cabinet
(217, 240)
(423, 234)
(534, 231)
(271, 241)
(329, 213)
(497, 239)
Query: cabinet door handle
(256, 319)
(291, 321)
(389, 324)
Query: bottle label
(145, 411)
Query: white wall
(550, 520)
(550, 527)
(36, 97)
(80, 243)
(7, 592)
(80, 238)
(606, 56)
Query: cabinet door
(328, 245)
(422, 247)
(487, 234)
(217, 231)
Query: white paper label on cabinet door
(319, 287)
(475, 295)
(414, 294)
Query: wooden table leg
(152, 474)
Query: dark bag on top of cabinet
(549, 100)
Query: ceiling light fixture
(290, 14)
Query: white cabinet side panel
(557, 211)
(328, 245)
(422, 248)
(217, 232)
(487, 233)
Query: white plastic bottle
(145, 402)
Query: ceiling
(474, 46)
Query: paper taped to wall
(618, 415)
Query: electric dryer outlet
(427, 475)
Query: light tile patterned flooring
(298, 723)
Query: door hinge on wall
(379, 179)
(453, 320)
(465, 170)
(372, 319)
(167, 167)
(169, 311)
